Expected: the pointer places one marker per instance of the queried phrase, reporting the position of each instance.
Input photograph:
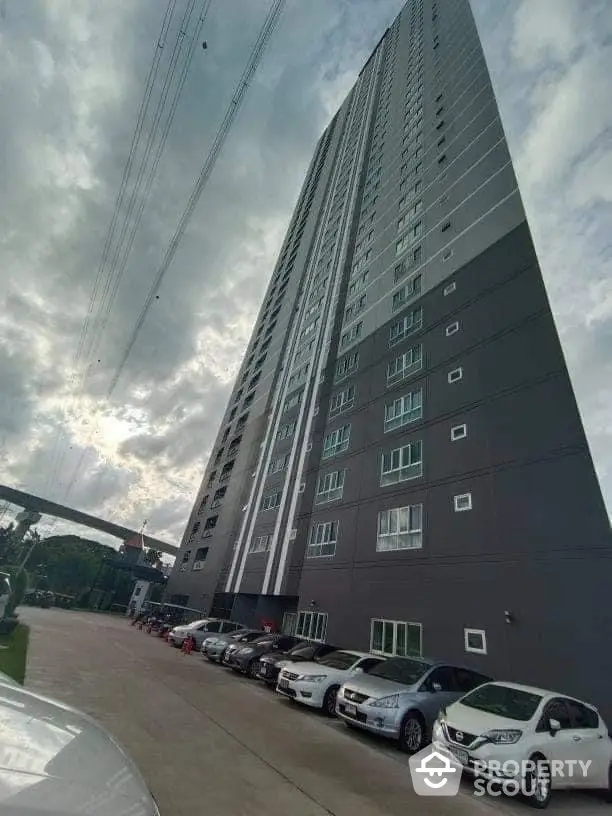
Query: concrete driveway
(211, 742)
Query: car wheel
(329, 701)
(250, 670)
(537, 782)
(412, 733)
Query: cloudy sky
(72, 75)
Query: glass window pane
(388, 638)
(400, 639)
(377, 635)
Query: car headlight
(312, 678)
(386, 702)
(437, 732)
(503, 736)
(246, 651)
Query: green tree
(152, 557)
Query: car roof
(356, 654)
(540, 691)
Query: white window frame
(452, 328)
(353, 334)
(261, 544)
(396, 626)
(411, 363)
(311, 625)
(323, 534)
(455, 375)
(394, 518)
(265, 504)
(462, 502)
(408, 464)
(343, 404)
(410, 290)
(406, 326)
(332, 484)
(474, 649)
(397, 414)
(450, 287)
(458, 432)
(341, 438)
(346, 366)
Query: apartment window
(400, 528)
(261, 544)
(271, 501)
(286, 431)
(186, 556)
(200, 557)
(330, 486)
(347, 366)
(407, 325)
(342, 401)
(408, 292)
(405, 365)
(202, 506)
(336, 442)
(218, 497)
(396, 638)
(462, 502)
(293, 401)
(446, 255)
(358, 284)
(415, 209)
(311, 625)
(452, 328)
(404, 410)
(323, 538)
(407, 240)
(402, 464)
(276, 465)
(353, 334)
(458, 432)
(455, 375)
(475, 640)
(450, 288)
(445, 226)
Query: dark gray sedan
(245, 659)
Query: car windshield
(250, 636)
(195, 624)
(262, 641)
(505, 701)
(339, 660)
(402, 670)
(302, 650)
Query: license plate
(263, 669)
(284, 684)
(459, 754)
(351, 710)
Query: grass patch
(14, 652)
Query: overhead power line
(219, 141)
(238, 96)
(140, 196)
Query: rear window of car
(303, 651)
(264, 641)
(505, 701)
(402, 670)
(339, 660)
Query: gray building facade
(402, 466)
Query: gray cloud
(71, 78)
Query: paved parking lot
(208, 741)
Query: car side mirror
(554, 726)
(358, 670)
(436, 687)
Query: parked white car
(540, 739)
(316, 684)
(55, 759)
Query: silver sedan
(214, 647)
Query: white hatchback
(316, 684)
(539, 739)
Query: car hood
(313, 667)
(55, 759)
(277, 657)
(473, 721)
(376, 687)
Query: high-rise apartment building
(402, 466)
